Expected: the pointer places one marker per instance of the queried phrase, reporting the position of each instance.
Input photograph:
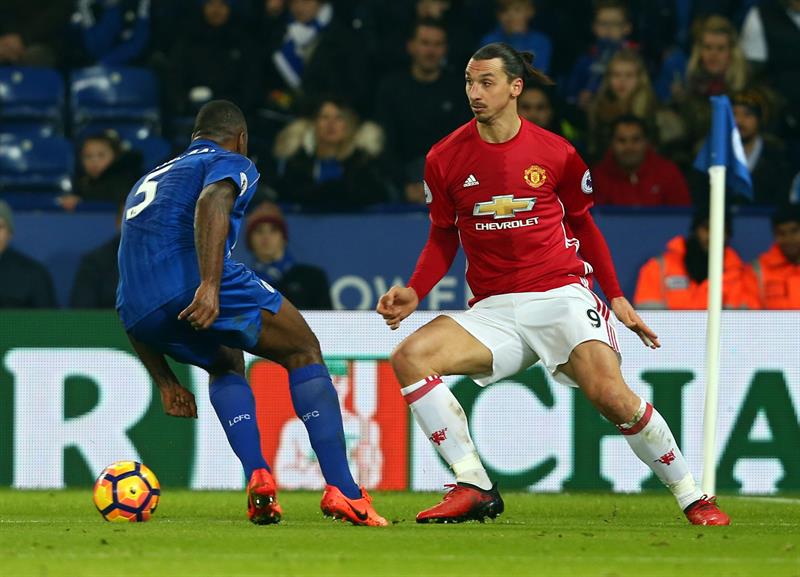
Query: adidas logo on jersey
(471, 181)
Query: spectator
(777, 271)
(514, 28)
(106, 172)
(111, 33)
(611, 28)
(536, 103)
(626, 89)
(387, 25)
(24, 283)
(770, 40)
(678, 279)
(451, 15)
(716, 66)
(330, 162)
(633, 174)
(95, 285)
(421, 105)
(214, 58)
(304, 285)
(313, 54)
(31, 31)
(766, 155)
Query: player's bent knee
(227, 361)
(308, 354)
(411, 359)
(398, 358)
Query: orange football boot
(262, 501)
(357, 511)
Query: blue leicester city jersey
(157, 256)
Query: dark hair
(339, 101)
(786, 213)
(629, 119)
(426, 23)
(547, 90)
(110, 137)
(755, 101)
(516, 64)
(702, 216)
(696, 259)
(219, 120)
(503, 5)
(614, 5)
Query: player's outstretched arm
(628, 317)
(176, 399)
(211, 223)
(595, 250)
(433, 263)
(397, 304)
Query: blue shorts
(242, 295)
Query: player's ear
(242, 143)
(516, 87)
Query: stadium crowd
(344, 99)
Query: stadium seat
(36, 164)
(154, 150)
(31, 94)
(125, 130)
(181, 128)
(114, 93)
(28, 129)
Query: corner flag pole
(723, 157)
(715, 256)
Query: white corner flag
(723, 157)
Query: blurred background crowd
(344, 99)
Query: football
(126, 491)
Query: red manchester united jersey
(508, 202)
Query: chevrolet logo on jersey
(504, 206)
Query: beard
(483, 117)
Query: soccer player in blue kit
(180, 294)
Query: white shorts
(522, 328)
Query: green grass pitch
(206, 534)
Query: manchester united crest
(535, 176)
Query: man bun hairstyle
(516, 64)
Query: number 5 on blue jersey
(148, 188)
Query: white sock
(440, 416)
(650, 438)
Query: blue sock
(233, 401)
(316, 403)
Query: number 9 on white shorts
(523, 328)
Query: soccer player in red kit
(517, 197)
